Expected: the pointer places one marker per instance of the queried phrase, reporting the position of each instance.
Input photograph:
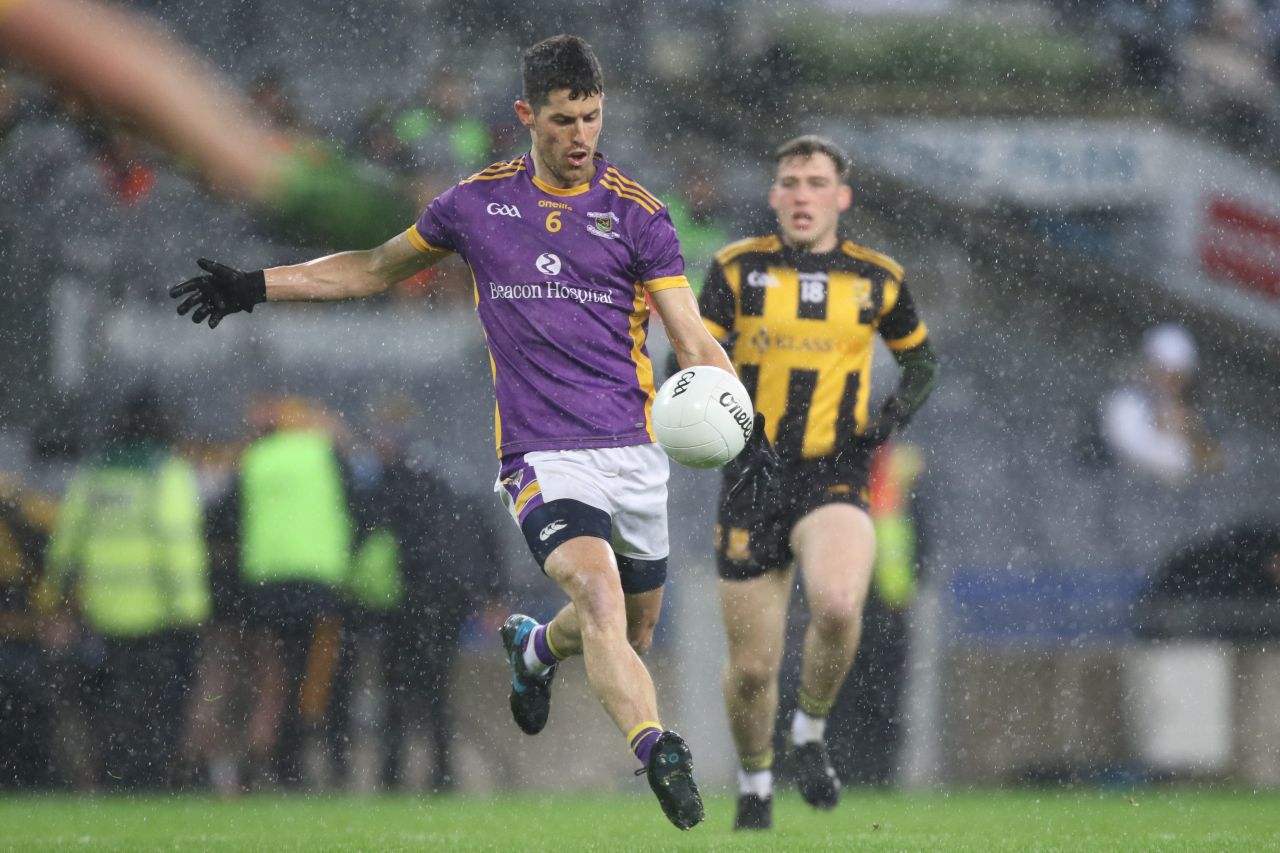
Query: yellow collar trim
(550, 190)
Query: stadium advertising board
(1211, 233)
(1240, 242)
(1057, 163)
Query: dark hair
(810, 144)
(560, 62)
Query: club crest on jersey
(760, 340)
(603, 225)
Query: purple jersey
(560, 278)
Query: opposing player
(563, 248)
(799, 309)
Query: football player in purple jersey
(566, 251)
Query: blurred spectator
(122, 166)
(1270, 34)
(12, 108)
(1227, 81)
(376, 139)
(294, 532)
(865, 726)
(268, 94)
(1151, 423)
(212, 743)
(128, 556)
(1147, 34)
(696, 208)
(26, 692)
(127, 175)
(433, 580)
(438, 131)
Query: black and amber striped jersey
(799, 329)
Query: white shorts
(629, 484)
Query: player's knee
(748, 679)
(837, 614)
(598, 599)
(640, 635)
(591, 584)
(640, 642)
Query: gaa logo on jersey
(603, 225)
(499, 209)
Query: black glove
(755, 490)
(893, 416)
(223, 291)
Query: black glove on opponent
(755, 490)
(919, 368)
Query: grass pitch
(1156, 820)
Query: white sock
(759, 783)
(806, 729)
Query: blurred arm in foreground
(128, 67)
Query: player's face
(565, 132)
(808, 197)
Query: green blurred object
(700, 239)
(375, 572)
(895, 575)
(329, 201)
(415, 125)
(944, 53)
(895, 468)
(468, 137)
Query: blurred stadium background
(1055, 176)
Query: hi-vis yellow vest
(129, 547)
(293, 513)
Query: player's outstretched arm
(690, 340)
(224, 290)
(348, 275)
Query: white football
(702, 416)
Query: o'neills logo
(738, 412)
(682, 384)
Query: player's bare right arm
(690, 340)
(348, 275)
(224, 290)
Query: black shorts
(289, 606)
(763, 545)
